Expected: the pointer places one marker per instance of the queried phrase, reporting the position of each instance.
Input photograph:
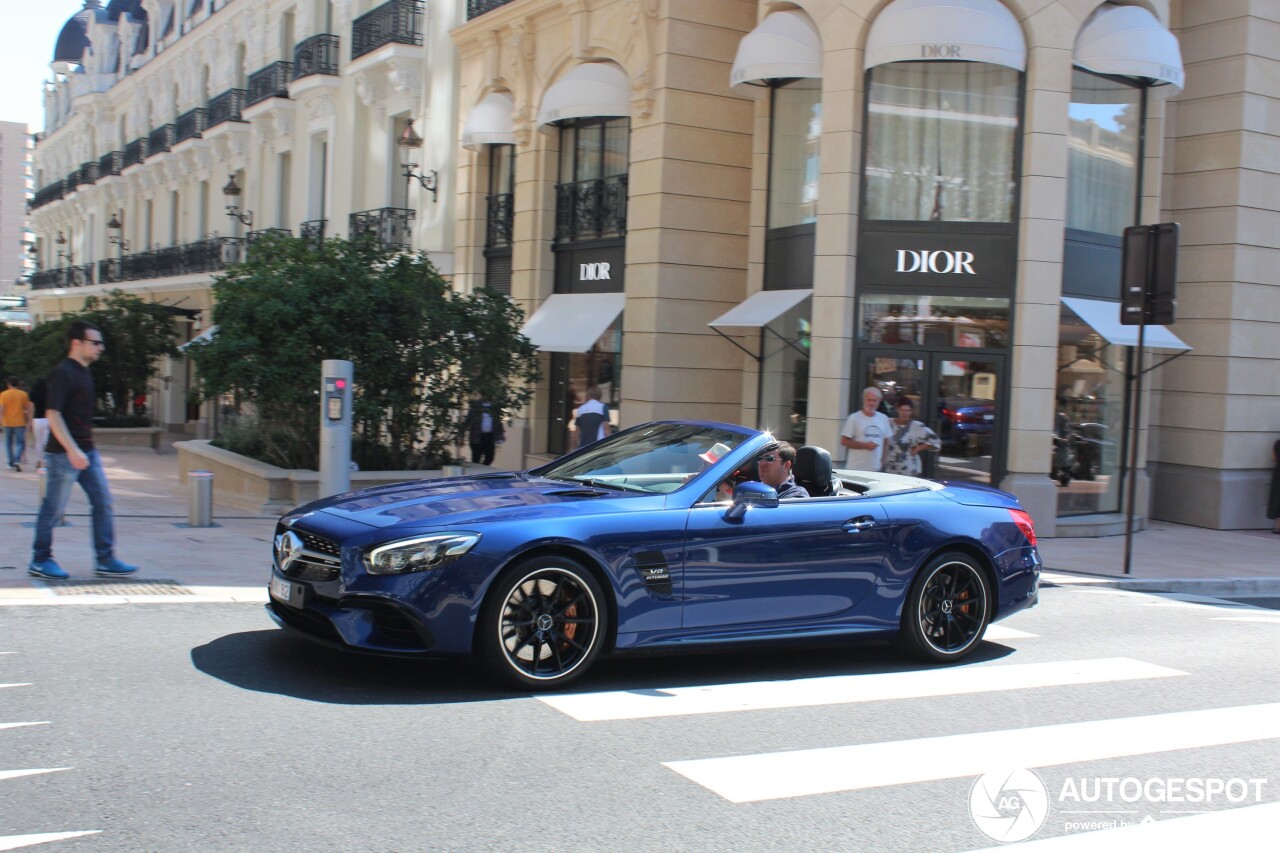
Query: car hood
(465, 500)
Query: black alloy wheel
(543, 623)
(948, 608)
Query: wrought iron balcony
(254, 236)
(73, 181)
(316, 55)
(225, 107)
(590, 210)
(190, 124)
(388, 225)
(269, 82)
(110, 270)
(209, 255)
(501, 217)
(89, 172)
(110, 164)
(53, 192)
(396, 22)
(77, 276)
(313, 231)
(476, 8)
(161, 139)
(135, 152)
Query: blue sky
(28, 30)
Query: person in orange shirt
(15, 416)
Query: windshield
(660, 458)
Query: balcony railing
(269, 82)
(500, 218)
(161, 139)
(225, 107)
(77, 276)
(53, 192)
(110, 164)
(135, 152)
(254, 236)
(475, 8)
(73, 181)
(396, 22)
(89, 172)
(209, 255)
(312, 231)
(316, 55)
(190, 124)
(388, 225)
(590, 210)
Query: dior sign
(924, 261)
(593, 272)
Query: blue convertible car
(656, 537)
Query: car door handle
(857, 525)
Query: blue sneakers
(114, 568)
(47, 569)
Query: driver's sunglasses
(769, 457)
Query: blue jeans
(15, 436)
(60, 477)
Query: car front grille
(320, 559)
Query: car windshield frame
(657, 458)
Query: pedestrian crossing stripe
(1266, 620)
(1245, 828)
(18, 774)
(23, 684)
(20, 725)
(842, 689)
(1002, 632)
(14, 842)
(772, 776)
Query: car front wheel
(948, 608)
(543, 624)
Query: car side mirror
(750, 494)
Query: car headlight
(419, 554)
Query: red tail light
(1025, 524)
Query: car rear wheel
(948, 608)
(543, 624)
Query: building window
(934, 321)
(1102, 167)
(591, 198)
(795, 129)
(499, 217)
(941, 138)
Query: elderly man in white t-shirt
(865, 433)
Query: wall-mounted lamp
(411, 141)
(63, 254)
(116, 226)
(232, 192)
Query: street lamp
(411, 141)
(232, 192)
(63, 254)
(116, 226)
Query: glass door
(956, 395)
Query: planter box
(247, 483)
(127, 438)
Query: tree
(137, 333)
(418, 349)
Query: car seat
(812, 470)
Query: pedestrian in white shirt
(865, 433)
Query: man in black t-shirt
(70, 457)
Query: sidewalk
(231, 562)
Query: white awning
(200, 339)
(965, 30)
(785, 45)
(761, 308)
(588, 90)
(1104, 318)
(1130, 42)
(489, 122)
(572, 322)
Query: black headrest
(812, 470)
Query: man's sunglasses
(769, 457)
(99, 342)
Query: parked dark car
(966, 425)
(626, 546)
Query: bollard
(200, 511)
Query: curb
(1198, 586)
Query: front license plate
(285, 592)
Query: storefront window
(574, 375)
(793, 153)
(1088, 424)
(940, 142)
(1103, 140)
(784, 375)
(934, 321)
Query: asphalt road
(203, 727)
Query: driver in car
(775, 466)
